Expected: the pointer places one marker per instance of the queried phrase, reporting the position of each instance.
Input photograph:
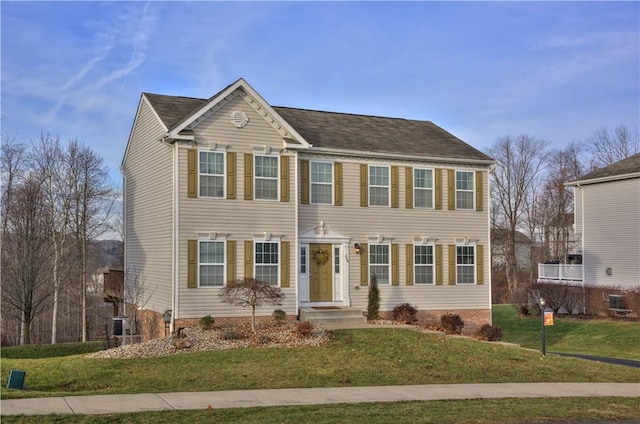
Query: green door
(320, 273)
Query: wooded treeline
(57, 201)
(531, 207)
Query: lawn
(605, 337)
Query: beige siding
(148, 209)
(237, 218)
(401, 225)
(611, 233)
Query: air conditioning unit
(120, 326)
(617, 302)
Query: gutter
(580, 183)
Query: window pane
(267, 262)
(464, 190)
(267, 274)
(464, 200)
(321, 172)
(211, 263)
(379, 262)
(381, 273)
(424, 274)
(465, 260)
(379, 175)
(303, 260)
(378, 196)
(211, 174)
(336, 260)
(423, 178)
(321, 193)
(423, 198)
(211, 275)
(464, 180)
(267, 166)
(266, 189)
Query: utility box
(120, 326)
(16, 379)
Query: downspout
(582, 227)
(176, 237)
(296, 239)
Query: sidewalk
(107, 404)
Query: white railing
(560, 272)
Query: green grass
(49, 350)
(604, 337)
(458, 411)
(384, 356)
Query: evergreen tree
(374, 299)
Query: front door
(321, 273)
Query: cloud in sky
(557, 70)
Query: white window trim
(311, 182)
(255, 262)
(380, 243)
(224, 262)
(223, 152)
(475, 263)
(472, 191)
(432, 265)
(415, 189)
(388, 186)
(267, 153)
(304, 259)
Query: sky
(482, 70)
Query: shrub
(249, 292)
(279, 316)
(373, 305)
(489, 333)
(405, 313)
(231, 334)
(206, 322)
(451, 323)
(304, 329)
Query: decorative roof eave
(358, 153)
(609, 178)
(242, 88)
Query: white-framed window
(423, 188)
(321, 182)
(379, 191)
(423, 263)
(266, 177)
(211, 174)
(464, 189)
(211, 272)
(465, 264)
(336, 259)
(379, 262)
(303, 260)
(267, 261)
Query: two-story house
(313, 202)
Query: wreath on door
(320, 256)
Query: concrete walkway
(108, 404)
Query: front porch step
(333, 316)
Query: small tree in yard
(247, 292)
(373, 305)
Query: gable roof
(331, 131)
(626, 168)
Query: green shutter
(395, 182)
(452, 264)
(192, 173)
(231, 175)
(284, 179)
(409, 187)
(248, 258)
(248, 176)
(395, 267)
(337, 172)
(438, 188)
(304, 190)
(284, 263)
(231, 260)
(480, 264)
(364, 185)
(364, 265)
(409, 254)
(479, 194)
(192, 264)
(438, 264)
(451, 193)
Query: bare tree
(92, 201)
(137, 293)
(519, 163)
(249, 292)
(607, 148)
(52, 167)
(25, 256)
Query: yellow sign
(548, 318)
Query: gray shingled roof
(344, 131)
(630, 165)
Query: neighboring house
(607, 221)
(313, 202)
(499, 247)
